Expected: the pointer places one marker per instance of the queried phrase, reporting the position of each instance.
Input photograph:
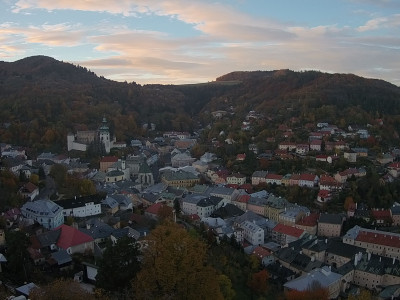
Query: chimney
(394, 260)
(369, 255)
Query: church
(82, 139)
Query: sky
(188, 41)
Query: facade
(330, 225)
(81, 206)
(45, 212)
(236, 178)
(375, 241)
(82, 139)
(179, 179)
(324, 277)
(74, 241)
(253, 233)
(258, 177)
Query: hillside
(42, 99)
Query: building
(179, 178)
(284, 234)
(377, 242)
(322, 277)
(45, 212)
(330, 225)
(74, 241)
(82, 139)
(253, 233)
(81, 206)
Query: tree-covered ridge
(42, 99)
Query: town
(310, 238)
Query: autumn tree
(258, 282)
(118, 265)
(63, 289)
(314, 292)
(59, 173)
(363, 295)
(174, 267)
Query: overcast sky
(189, 41)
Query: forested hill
(42, 99)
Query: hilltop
(42, 99)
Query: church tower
(104, 135)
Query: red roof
(244, 198)
(324, 193)
(70, 236)
(381, 214)
(109, 159)
(375, 237)
(307, 177)
(311, 220)
(288, 230)
(395, 165)
(153, 209)
(274, 176)
(261, 252)
(30, 187)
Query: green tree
(59, 173)
(174, 267)
(18, 261)
(118, 265)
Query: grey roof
(257, 201)
(61, 257)
(110, 202)
(248, 216)
(25, 289)
(210, 201)
(150, 197)
(221, 190)
(156, 188)
(260, 194)
(98, 229)
(330, 218)
(324, 276)
(49, 238)
(115, 173)
(228, 211)
(379, 265)
(121, 199)
(395, 210)
(126, 231)
(337, 247)
(44, 208)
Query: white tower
(104, 135)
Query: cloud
(390, 22)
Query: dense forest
(42, 99)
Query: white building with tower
(81, 140)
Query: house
(274, 179)
(258, 177)
(241, 157)
(253, 233)
(182, 160)
(287, 146)
(316, 145)
(29, 190)
(226, 193)
(292, 214)
(264, 255)
(45, 212)
(81, 206)
(110, 205)
(308, 180)
(257, 205)
(330, 225)
(394, 169)
(106, 162)
(382, 217)
(206, 206)
(115, 176)
(154, 210)
(236, 178)
(324, 196)
(329, 183)
(395, 212)
(241, 201)
(323, 277)
(284, 234)
(302, 149)
(124, 202)
(74, 241)
(308, 223)
(179, 178)
(350, 156)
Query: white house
(253, 233)
(45, 212)
(81, 206)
